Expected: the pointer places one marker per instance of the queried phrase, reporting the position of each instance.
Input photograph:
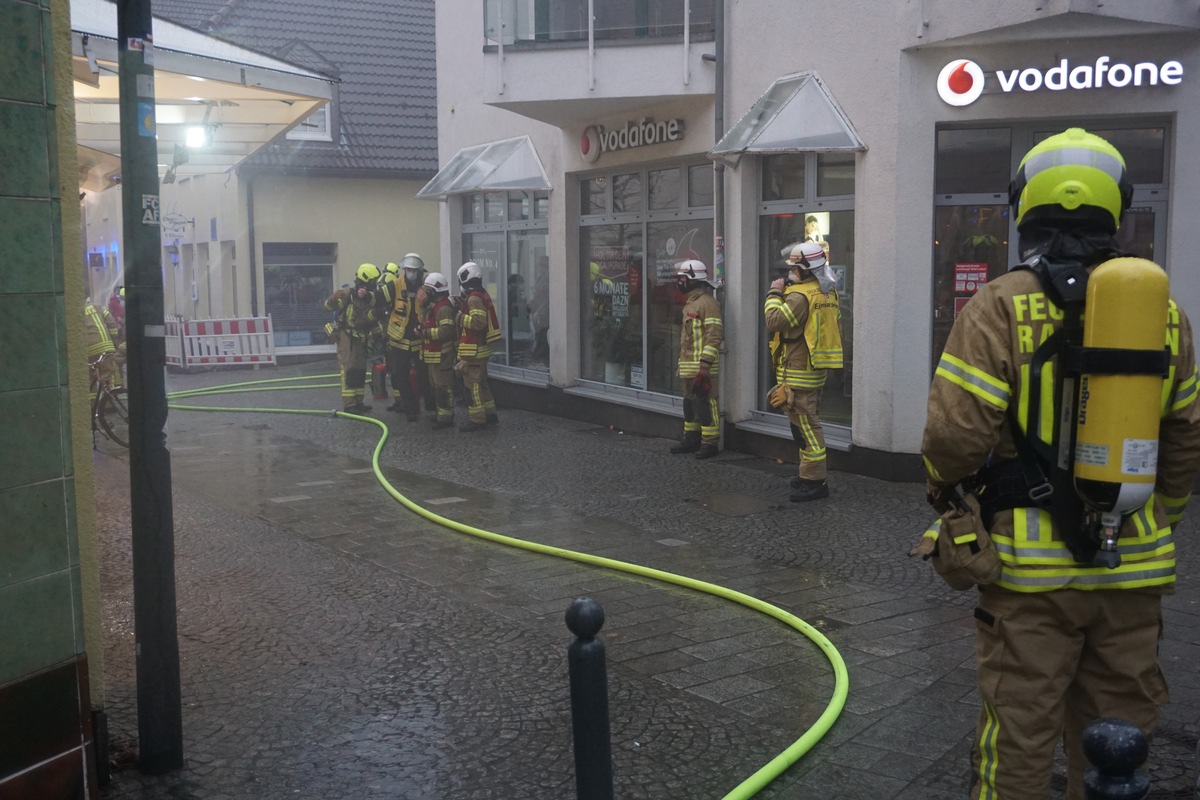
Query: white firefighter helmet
(436, 282)
(806, 255)
(694, 270)
(469, 271)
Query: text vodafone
(638, 134)
(1090, 76)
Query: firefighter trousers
(1048, 665)
(478, 390)
(441, 377)
(408, 379)
(804, 416)
(701, 414)
(352, 358)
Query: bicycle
(110, 411)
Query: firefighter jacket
(981, 386)
(404, 323)
(358, 316)
(701, 335)
(101, 330)
(806, 338)
(439, 332)
(479, 326)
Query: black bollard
(1116, 749)
(589, 702)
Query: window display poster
(969, 277)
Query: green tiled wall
(40, 604)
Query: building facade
(889, 136)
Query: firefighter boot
(707, 450)
(809, 490)
(690, 443)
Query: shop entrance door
(1143, 229)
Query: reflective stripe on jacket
(986, 368)
(101, 330)
(404, 323)
(807, 338)
(479, 326)
(439, 333)
(701, 334)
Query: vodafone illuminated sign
(962, 81)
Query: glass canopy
(796, 114)
(510, 164)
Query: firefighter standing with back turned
(356, 320)
(1068, 632)
(700, 340)
(480, 329)
(803, 316)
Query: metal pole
(589, 702)
(160, 729)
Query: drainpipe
(253, 247)
(718, 134)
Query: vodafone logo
(597, 139)
(589, 144)
(960, 82)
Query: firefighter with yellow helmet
(1067, 630)
(358, 318)
(399, 290)
(803, 317)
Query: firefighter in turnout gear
(1062, 638)
(104, 336)
(479, 329)
(700, 340)
(358, 317)
(404, 335)
(438, 336)
(803, 316)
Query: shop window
(970, 248)
(630, 307)
(783, 176)
(297, 279)
(700, 186)
(664, 189)
(511, 248)
(612, 312)
(835, 174)
(593, 196)
(973, 160)
(627, 193)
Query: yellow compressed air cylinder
(1116, 444)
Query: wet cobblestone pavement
(336, 645)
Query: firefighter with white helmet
(358, 318)
(1068, 630)
(404, 332)
(479, 329)
(803, 317)
(700, 340)
(439, 333)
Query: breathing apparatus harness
(1043, 475)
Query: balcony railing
(530, 22)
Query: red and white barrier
(215, 342)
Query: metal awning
(236, 98)
(796, 114)
(506, 165)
